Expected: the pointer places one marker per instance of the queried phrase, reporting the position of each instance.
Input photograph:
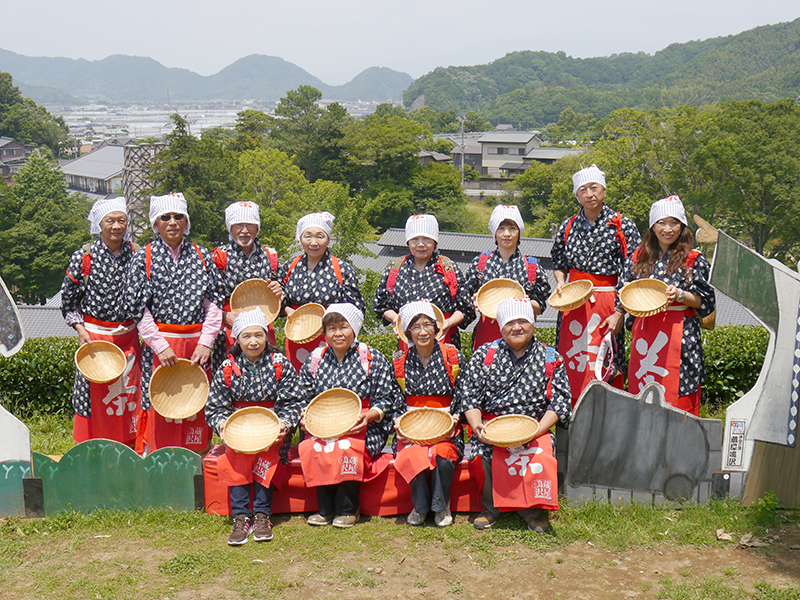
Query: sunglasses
(176, 216)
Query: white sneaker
(443, 518)
(414, 518)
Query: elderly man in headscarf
(92, 303)
(175, 292)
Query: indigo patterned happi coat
(320, 284)
(515, 268)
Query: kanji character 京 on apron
(667, 347)
(316, 276)
(92, 301)
(506, 262)
(175, 293)
(425, 275)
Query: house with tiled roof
(98, 172)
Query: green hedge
(39, 377)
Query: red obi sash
(526, 477)
(656, 353)
(328, 462)
(191, 433)
(115, 405)
(298, 353)
(579, 336)
(413, 459)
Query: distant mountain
(534, 87)
(122, 78)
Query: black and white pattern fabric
(433, 380)
(694, 281)
(102, 297)
(504, 389)
(257, 383)
(320, 284)
(516, 268)
(428, 284)
(174, 293)
(378, 385)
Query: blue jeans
(240, 499)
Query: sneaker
(345, 521)
(319, 520)
(415, 518)
(443, 518)
(241, 529)
(538, 520)
(485, 520)
(262, 528)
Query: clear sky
(337, 39)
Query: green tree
(50, 226)
(252, 127)
(474, 122)
(23, 120)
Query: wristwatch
(681, 297)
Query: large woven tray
(644, 297)
(425, 426)
(439, 319)
(180, 391)
(252, 429)
(305, 323)
(508, 431)
(573, 295)
(332, 413)
(100, 361)
(494, 292)
(255, 293)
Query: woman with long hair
(666, 347)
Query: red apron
(487, 330)
(656, 353)
(237, 468)
(298, 353)
(328, 462)
(525, 479)
(229, 341)
(115, 405)
(413, 459)
(191, 433)
(580, 337)
(448, 336)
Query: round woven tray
(100, 361)
(508, 431)
(439, 320)
(425, 426)
(252, 429)
(179, 392)
(494, 292)
(305, 323)
(255, 293)
(644, 297)
(332, 413)
(573, 295)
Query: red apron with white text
(191, 433)
(115, 405)
(656, 353)
(580, 337)
(525, 479)
(238, 468)
(413, 459)
(328, 462)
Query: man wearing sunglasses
(175, 293)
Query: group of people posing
(170, 300)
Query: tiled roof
(104, 163)
(44, 321)
(507, 138)
(553, 153)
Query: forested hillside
(532, 88)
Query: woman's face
(667, 230)
(421, 247)
(314, 241)
(340, 336)
(252, 340)
(507, 235)
(423, 332)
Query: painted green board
(747, 278)
(105, 474)
(12, 473)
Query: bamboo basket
(251, 430)
(332, 413)
(644, 297)
(179, 392)
(305, 323)
(508, 431)
(573, 295)
(100, 362)
(494, 292)
(255, 293)
(425, 426)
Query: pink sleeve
(150, 334)
(211, 324)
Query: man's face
(170, 227)
(591, 196)
(113, 228)
(518, 334)
(244, 234)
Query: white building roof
(103, 163)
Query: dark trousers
(340, 499)
(487, 498)
(240, 499)
(433, 495)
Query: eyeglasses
(420, 326)
(177, 216)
